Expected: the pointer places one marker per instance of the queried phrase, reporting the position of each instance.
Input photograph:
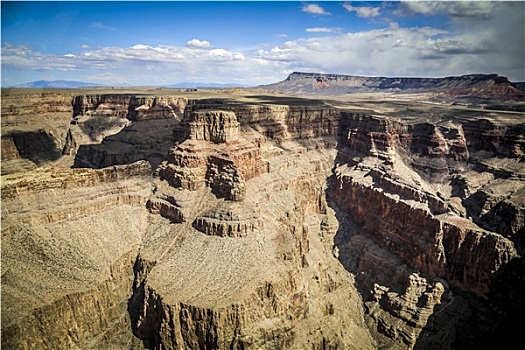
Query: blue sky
(160, 43)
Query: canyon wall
(69, 241)
(41, 127)
(34, 128)
(262, 223)
(415, 238)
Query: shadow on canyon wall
(38, 146)
(463, 320)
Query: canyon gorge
(243, 219)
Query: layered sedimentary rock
(251, 274)
(228, 222)
(34, 128)
(412, 195)
(270, 223)
(267, 288)
(214, 154)
(131, 107)
(144, 125)
(480, 85)
(69, 240)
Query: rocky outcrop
(412, 307)
(148, 139)
(89, 318)
(270, 283)
(34, 128)
(126, 128)
(214, 155)
(131, 107)
(280, 122)
(214, 126)
(227, 222)
(19, 102)
(173, 326)
(500, 140)
(58, 178)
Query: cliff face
(271, 289)
(69, 240)
(34, 128)
(133, 128)
(248, 274)
(131, 107)
(265, 222)
(402, 189)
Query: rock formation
(214, 154)
(401, 187)
(260, 222)
(68, 240)
(478, 85)
(34, 128)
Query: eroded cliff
(414, 240)
(266, 222)
(69, 239)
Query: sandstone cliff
(400, 186)
(269, 223)
(34, 127)
(69, 240)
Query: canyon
(249, 219)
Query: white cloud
(396, 51)
(198, 44)
(315, 10)
(141, 47)
(363, 11)
(492, 44)
(323, 30)
(144, 64)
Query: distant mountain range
(56, 84)
(69, 84)
(478, 85)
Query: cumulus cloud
(160, 64)
(199, 44)
(417, 51)
(459, 9)
(315, 10)
(363, 11)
